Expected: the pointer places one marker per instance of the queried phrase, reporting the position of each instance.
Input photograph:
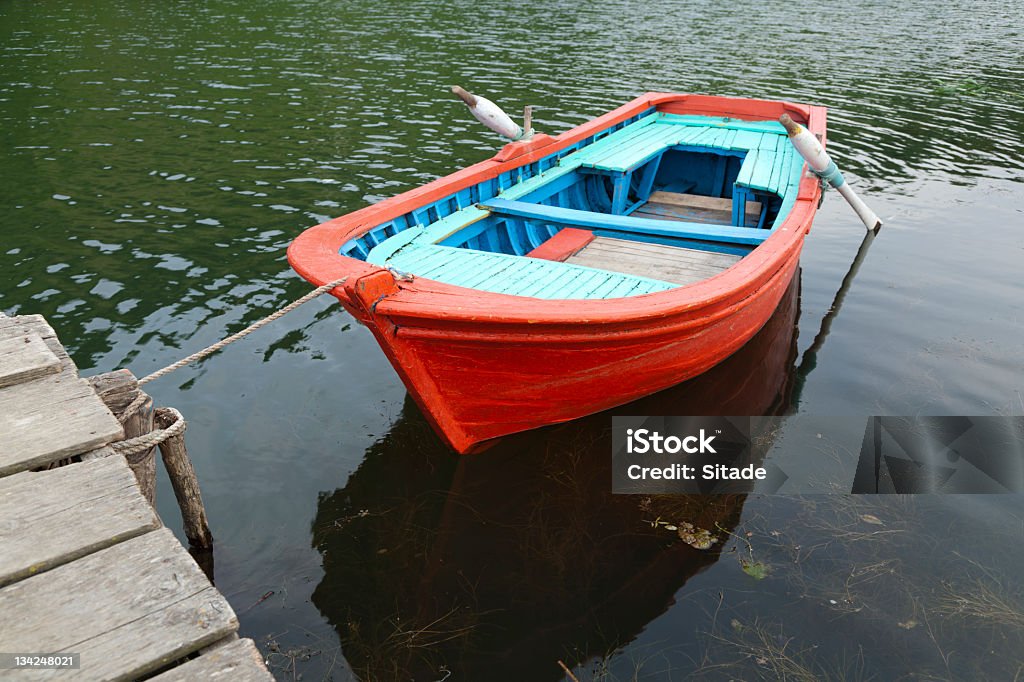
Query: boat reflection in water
(497, 566)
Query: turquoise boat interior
(653, 203)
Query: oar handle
(491, 115)
(822, 165)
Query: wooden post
(143, 464)
(184, 481)
(118, 390)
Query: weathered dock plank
(130, 609)
(49, 419)
(52, 417)
(239, 661)
(84, 565)
(24, 358)
(12, 327)
(50, 518)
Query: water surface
(158, 158)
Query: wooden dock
(86, 566)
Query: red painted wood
(482, 365)
(567, 242)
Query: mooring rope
(209, 350)
(133, 406)
(144, 443)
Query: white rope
(209, 350)
(144, 443)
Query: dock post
(183, 480)
(143, 464)
(120, 392)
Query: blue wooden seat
(517, 275)
(601, 222)
(766, 169)
(626, 150)
(642, 144)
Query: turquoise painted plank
(772, 141)
(717, 121)
(783, 157)
(728, 138)
(627, 138)
(669, 136)
(421, 261)
(518, 276)
(619, 136)
(761, 176)
(622, 287)
(658, 138)
(532, 279)
(658, 135)
(689, 134)
(611, 286)
(623, 156)
(750, 162)
(583, 283)
(747, 140)
(567, 216)
(624, 149)
(448, 226)
(463, 269)
(705, 138)
(422, 258)
(794, 173)
(612, 141)
(496, 274)
(766, 173)
(760, 172)
(719, 137)
(534, 282)
(541, 282)
(383, 251)
(536, 182)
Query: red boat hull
(482, 365)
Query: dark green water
(159, 157)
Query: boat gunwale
(315, 254)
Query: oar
(491, 115)
(824, 167)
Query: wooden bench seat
(627, 224)
(626, 150)
(669, 263)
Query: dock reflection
(497, 566)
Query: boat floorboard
(667, 263)
(694, 209)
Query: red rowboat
(570, 274)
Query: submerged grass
(984, 598)
(764, 651)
